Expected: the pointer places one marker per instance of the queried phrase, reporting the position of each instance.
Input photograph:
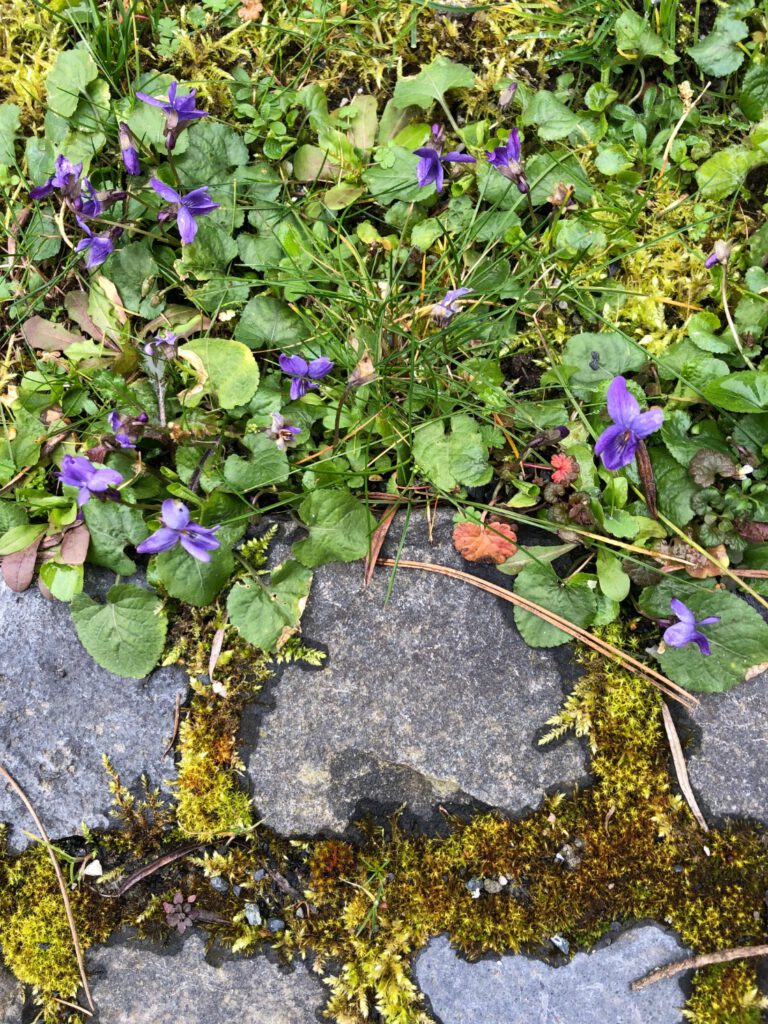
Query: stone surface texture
(727, 763)
(136, 985)
(11, 998)
(59, 712)
(593, 988)
(430, 698)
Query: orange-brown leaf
(479, 543)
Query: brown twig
(157, 865)
(59, 878)
(74, 1006)
(694, 962)
(680, 767)
(596, 643)
(377, 540)
(174, 734)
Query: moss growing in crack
(34, 932)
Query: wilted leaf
(74, 545)
(46, 336)
(19, 568)
(251, 10)
(477, 542)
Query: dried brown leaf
(19, 568)
(479, 543)
(46, 336)
(251, 10)
(74, 546)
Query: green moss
(34, 933)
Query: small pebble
(560, 943)
(237, 889)
(220, 884)
(275, 924)
(258, 874)
(492, 886)
(253, 914)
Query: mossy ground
(622, 849)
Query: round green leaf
(231, 371)
(575, 602)
(262, 612)
(339, 528)
(126, 635)
(190, 580)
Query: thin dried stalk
(596, 643)
(693, 962)
(680, 767)
(157, 865)
(59, 878)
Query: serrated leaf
(575, 602)
(190, 580)
(455, 458)
(744, 391)
(67, 79)
(717, 54)
(126, 635)
(230, 369)
(267, 465)
(431, 84)
(753, 97)
(263, 613)
(113, 526)
(339, 526)
(706, 465)
(267, 321)
(635, 38)
(739, 642)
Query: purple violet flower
(282, 433)
(128, 150)
(685, 631)
(446, 309)
(65, 179)
(304, 373)
(98, 246)
(98, 201)
(720, 254)
(178, 111)
(196, 540)
(77, 471)
(123, 427)
(429, 169)
(194, 204)
(616, 445)
(506, 160)
(163, 345)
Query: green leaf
(675, 488)
(717, 54)
(132, 270)
(614, 582)
(739, 642)
(231, 370)
(532, 554)
(726, 171)
(311, 163)
(9, 124)
(634, 38)
(339, 528)
(209, 255)
(424, 234)
(190, 580)
(268, 465)
(126, 635)
(545, 170)
(20, 537)
(431, 84)
(267, 321)
(553, 118)
(113, 527)
(613, 159)
(575, 602)
(65, 582)
(341, 196)
(451, 460)
(601, 356)
(213, 153)
(396, 179)
(67, 80)
(263, 613)
(744, 391)
(753, 98)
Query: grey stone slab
(59, 712)
(132, 984)
(727, 761)
(593, 988)
(11, 998)
(430, 698)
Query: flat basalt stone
(430, 698)
(726, 763)
(593, 988)
(11, 998)
(60, 712)
(135, 985)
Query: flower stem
(731, 324)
